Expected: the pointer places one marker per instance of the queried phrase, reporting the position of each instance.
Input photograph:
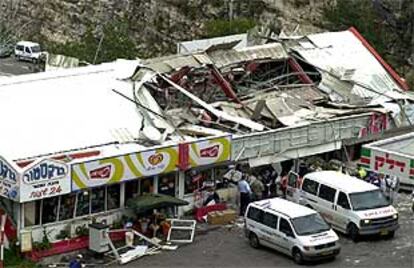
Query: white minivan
(292, 229)
(352, 206)
(25, 50)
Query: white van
(292, 229)
(350, 205)
(25, 50)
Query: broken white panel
(182, 226)
(242, 121)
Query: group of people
(388, 184)
(254, 186)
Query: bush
(116, 43)
(221, 27)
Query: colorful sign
(43, 179)
(386, 163)
(210, 151)
(123, 168)
(9, 179)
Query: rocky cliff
(155, 24)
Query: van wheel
(353, 233)
(391, 235)
(254, 240)
(297, 256)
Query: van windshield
(368, 200)
(310, 224)
(35, 49)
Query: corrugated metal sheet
(344, 54)
(203, 44)
(227, 57)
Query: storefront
(59, 198)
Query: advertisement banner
(43, 179)
(9, 180)
(386, 163)
(210, 151)
(123, 168)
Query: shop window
(32, 213)
(50, 210)
(131, 189)
(166, 185)
(9, 206)
(82, 207)
(147, 185)
(195, 180)
(98, 200)
(67, 207)
(113, 197)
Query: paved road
(228, 248)
(9, 66)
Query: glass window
(98, 200)
(67, 206)
(310, 224)
(131, 189)
(343, 201)
(27, 50)
(166, 184)
(368, 200)
(284, 227)
(194, 180)
(50, 209)
(32, 213)
(270, 220)
(255, 214)
(113, 196)
(310, 186)
(147, 185)
(327, 193)
(82, 207)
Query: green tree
(222, 27)
(109, 44)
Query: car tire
(353, 233)
(254, 240)
(391, 235)
(297, 256)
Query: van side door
(287, 237)
(270, 233)
(342, 210)
(27, 52)
(292, 191)
(309, 193)
(326, 202)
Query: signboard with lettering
(210, 151)
(9, 178)
(43, 179)
(125, 167)
(388, 163)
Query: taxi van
(350, 205)
(289, 228)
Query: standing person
(257, 187)
(245, 192)
(394, 188)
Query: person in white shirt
(245, 192)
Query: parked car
(292, 229)
(5, 50)
(25, 50)
(351, 205)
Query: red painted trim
(224, 84)
(384, 64)
(365, 160)
(411, 171)
(298, 69)
(69, 245)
